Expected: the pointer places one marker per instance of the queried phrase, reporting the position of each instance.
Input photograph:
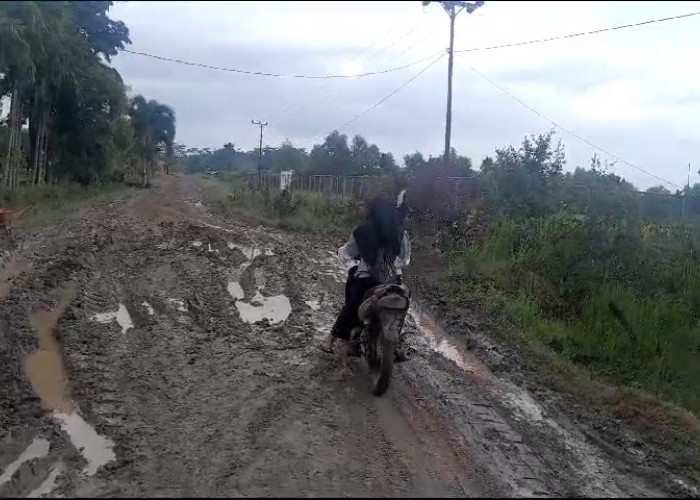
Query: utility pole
(452, 8)
(262, 125)
(684, 201)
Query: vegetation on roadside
(42, 204)
(294, 210)
(70, 118)
(597, 282)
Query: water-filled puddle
(275, 309)
(45, 370)
(49, 483)
(196, 244)
(97, 450)
(38, 448)
(314, 305)
(235, 290)
(121, 315)
(179, 304)
(148, 307)
(250, 253)
(44, 366)
(438, 342)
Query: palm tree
(154, 128)
(57, 52)
(17, 22)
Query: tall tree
(154, 126)
(19, 21)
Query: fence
(358, 186)
(442, 195)
(429, 193)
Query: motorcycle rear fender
(393, 301)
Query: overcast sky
(633, 92)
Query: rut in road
(187, 353)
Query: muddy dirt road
(151, 347)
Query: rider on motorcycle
(375, 253)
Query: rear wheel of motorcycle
(382, 376)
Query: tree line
(337, 155)
(528, 179)
(70, 117)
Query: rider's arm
(349, 254)
(404, 257)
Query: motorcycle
(382, 314)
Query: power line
(277, 75)
(394, 92)
(582, 33)
(394, 42)
(302, 104)
(415, 63)
(571, 132)
(290, 106)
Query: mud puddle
(48, 485)
(46, 372)
(121, 315)
(439, 342)
(149, 308)
(96, 450)
(252, 252)
(38, 448)
(235, 290)
(179, 304)
(314, 305)
(275, 309)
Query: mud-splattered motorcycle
(382, 313)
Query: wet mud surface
(153, 347)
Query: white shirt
(349, 254)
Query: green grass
(630, 317)
(605, 312)
(51, 203)
(302, 211)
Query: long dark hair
(381, 232)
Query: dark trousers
(355, 289)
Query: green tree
(333, 156)
(154, 126)
(19, 22)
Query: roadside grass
(45, 204)
(625, 354)
(297, 211)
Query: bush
(618, 296)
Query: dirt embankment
(179, 359)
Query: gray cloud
(566, 75)
(214, 107)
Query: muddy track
(187, 351)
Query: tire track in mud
(200, 402)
